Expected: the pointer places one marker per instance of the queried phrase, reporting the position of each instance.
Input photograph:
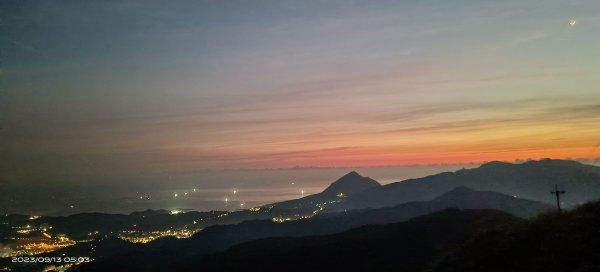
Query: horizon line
(588, 160)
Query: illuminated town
(35, 238)
(142, 237)
(203, 135)
(32, 240)
(34, 235)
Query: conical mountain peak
(351, 183)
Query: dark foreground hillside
(552, 242)
(162, 255)
(406, 246)
(447, 241)
(450, 240)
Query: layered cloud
(131, 90)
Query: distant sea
(212, 188)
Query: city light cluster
(281, 219)
(143, 237)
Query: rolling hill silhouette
(406, 246)
(553, 242)
(364, 202)
(217, 238)
(348, 185)
(530, 180)
(445, 241)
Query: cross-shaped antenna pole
(557, 193)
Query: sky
(112, 91)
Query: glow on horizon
(137, 91)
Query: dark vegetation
(569, 241)
(448, 240)
(406, 246)
(478, 234)
(163, 253)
